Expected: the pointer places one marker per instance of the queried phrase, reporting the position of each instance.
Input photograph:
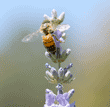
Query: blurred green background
(22, 65)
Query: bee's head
(46, 28)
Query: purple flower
(63, 99)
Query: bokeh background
(22, 65)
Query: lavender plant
(62, 75)
(54, 34)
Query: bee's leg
(65, 54)
(50, 56)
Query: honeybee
(50, 40)
(49, 36)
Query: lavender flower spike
(63, 75)
(63, 99)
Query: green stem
(59, 64)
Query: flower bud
(48, 66)
(60, 72)
(46, 17)
(54, 73)
(49, 75)
(54, 14)
(70, 93)
(62, 16)
(67, 75)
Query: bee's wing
(31, 36)
(63, 27)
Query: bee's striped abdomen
(49, 43)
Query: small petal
(73, 104)
(61, 99)
(47, 90)
(66, 95)
(50, 98)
